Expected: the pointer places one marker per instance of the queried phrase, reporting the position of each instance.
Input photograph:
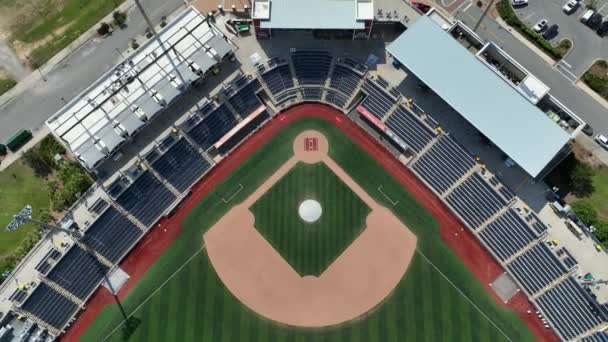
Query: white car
(570, 6)
(518, 3)
(602, 140)
(540, 26)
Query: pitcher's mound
(310, 211)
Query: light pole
(25, 216)
(37, 67)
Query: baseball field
(181, 298)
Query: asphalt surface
(561, 86)
(588, 46)
(72, 75)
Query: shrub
(103, 29)
(120, 18)
(586, 212)
(581, 181)
(3, 150)
(597, 83)
(601, 232)
(74, 182)
(134, 44)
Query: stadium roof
(498, 111)
(313, 14)
(106, 114)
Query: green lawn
(18, 187)
(310, 247)
(193, 305)
(6, 85)
(599, 198)
(63, 21)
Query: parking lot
(588, 45)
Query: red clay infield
(462, 242)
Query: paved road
(588, 46)
(561, 86)
(42, 99)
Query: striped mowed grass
(310, 247)
(180, 298)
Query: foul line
(241, 187)
(394, 203)
(462, 293)
(155, 291)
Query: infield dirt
(358, 280)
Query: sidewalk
(10, 158)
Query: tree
(35, 160)
(103, 29)
(120, 18)
(601, 232)
(586, 212)
(581, 180)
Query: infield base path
(356, 282)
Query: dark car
(594, 21)
(603, 29)
(551, 32)
(588, 130)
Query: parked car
(540, 26)
(602, 140)
(519, 3)
(603, 29)
(588, 130)
(586, 16)
(570, 6)
(551, 32)
(595, 21)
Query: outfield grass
(310, 247)
(194, 305)
(18, 187)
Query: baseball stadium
(295, 196)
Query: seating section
(507, 235)
(345, 79)
(146, 199)
(181, 165)
(475, 201)
(444, 164)
(378, 102)
(506, 193)
(278, 79)
(407, 127)
(336, 98)
(78, 272)
(111, 235)
(288, 95)
(312, 94)
(18, 296)
(245, 100)
(50, 306)
(212, 127)
(311, 66)
(567, 258)
(243, 132)
(538, 226)
(536, 268)
(600, 336)
(45, 264)
(570, 309)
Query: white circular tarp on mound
(310, 210)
